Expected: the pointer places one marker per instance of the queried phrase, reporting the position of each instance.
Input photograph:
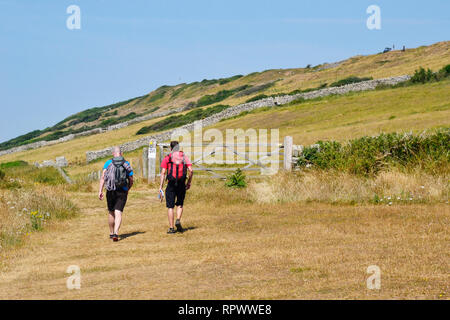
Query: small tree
(236, 180)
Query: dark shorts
(175, 194)
(116, 200)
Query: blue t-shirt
(129, 173)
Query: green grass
(353, 115)
(369, 155)
(219, 96)
(13, 164)
(180, 120)
(349, 80)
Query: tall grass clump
(29, 199)
(369, 155)
(390, 187)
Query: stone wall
(234, 111)
(40, 144)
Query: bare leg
(118, 221)
(170, 215)
(179, 212)
(111, 218)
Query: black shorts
(175, 194)
(116, 200)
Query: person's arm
(190, 173)
(163, 176)
(130, 182)
(102, 184)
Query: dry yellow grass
(388, 187)
(236, 249)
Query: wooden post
(145, 163)
(151, 161)
(161, 157)
(288, 153)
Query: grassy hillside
(238, 89)
(300, 235)
(413, 108)
(339, 118)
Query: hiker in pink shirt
(178, 167)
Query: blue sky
(129, 48)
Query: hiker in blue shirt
(118, 177)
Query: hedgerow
(180, 120)
(368, 155)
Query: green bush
(423, 76)
(236, 180)
(180, 120)
(420, 76)
(254, 89)
(368, 155)
(219, 96)
(349, 80)
(13, 164)
(256, 98)
(159, 94)
(226, 80)
(112, 121)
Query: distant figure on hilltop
(118, 177)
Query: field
(413, 108)
(236, 249)
(310, 234)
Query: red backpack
(179, 175)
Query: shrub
(422, 76)
(159, 94)
(236, 180)
(349, 80)
(368, 155)
(180, 120)
(110, 122)
(226, 80)
(13, 164)
(219, 96)
(256, 98)
(255, 89)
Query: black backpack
(121, 176)
(170, 176)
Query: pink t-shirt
(177, 158)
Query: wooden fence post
(161, 157)
(151, 161)
(145, 163)
(288, 153)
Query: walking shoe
(115, 237)
(171, 231)
(178, 225)
(111, 236)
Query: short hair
(116, 150)
(173, 144)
